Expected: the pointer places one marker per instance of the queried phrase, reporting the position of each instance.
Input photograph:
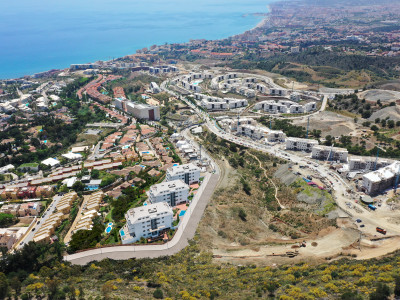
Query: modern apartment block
(368, 163)
(285, 106)
(173, 192)
(384, 178)
(146, 221)
(143, 111)
(299, 144)
(329, 153)
(155, 89)
(274, 136)
(138, 110)
(188, 173)
(278, 92)
(251, 131)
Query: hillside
(192, 274)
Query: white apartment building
(143, 111)
(367, 163)
(295, 97)
(261, 88)
(329, 153)
(155, 89)
(296, 109)
(173, 192)
(251, 131)
(243, 121)
(310, 106)
(216, 103)
(278, 92)
(379, 180)
(146, 221)
(299, 144)
(271, 106)
(274, 136)
(188, 173)
(284, 106)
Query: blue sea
(40, 35)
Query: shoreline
(260, 24)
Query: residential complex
(173, 192)
(146, 221)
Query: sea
(40, 35)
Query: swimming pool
(122, 232)
(108, 229)
(182, 213)
(175, 165)
(145, 152)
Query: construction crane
(329, 158)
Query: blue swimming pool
(122, 232)
(145, 152)
(175, 165)
(108, 229)
(182, 213)
(145, 204)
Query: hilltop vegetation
(37, 272)
(330, 68)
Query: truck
(381, 230)
(370, 206)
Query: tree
(7, 219)
(78, 186)
(242, 215)
(397, 286)
(15, 284)
(95, 174)
(382, 292)
(3, 285)
(374, 128)
(158, 294)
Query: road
(46, 215)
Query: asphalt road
(46, 215)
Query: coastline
(260, 24)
